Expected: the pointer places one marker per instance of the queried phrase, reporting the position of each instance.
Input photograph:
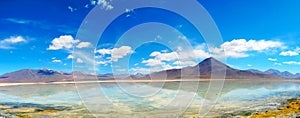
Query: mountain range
(219, 70)
(284, 74)
(203, 70)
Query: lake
(170, 99)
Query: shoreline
(137, 81)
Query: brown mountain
(211, 66)
(40, 75)
(203, 70)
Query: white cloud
(297, 49)
(179, 48)
(71, 9)
(93, 2)
(105, 63)
(159, 57)
(200, 53)
(63, 42)
(128, 10)
(116, 53)
(157, 37)
(164, 56)
(154, 69)
(182, 37)
(56, 61)
(140, 70)
(249, 65)
(104, 4)
(104, 51)
(272, 59)
(179, 59)
(78, 60)
(9, 42)
(153, 62)
(291, 63)
(185, 63)
(238, 48)
(83, 45)
(289, 53)
(279, 64)
(164, 51)
(70, 57)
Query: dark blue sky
(266, 31)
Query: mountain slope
(219, 70)
(284, 74)
(41, 75)
(203, 70)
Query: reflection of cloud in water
(67, 98)
(28, 91)
(143, 102)
(247, 94)
(235, 95)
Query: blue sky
(41, 34)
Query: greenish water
(142, 99)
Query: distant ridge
(284, 74)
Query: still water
(153, 100)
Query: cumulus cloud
(116, 53)
(83, 45)
(63, 42)
(239, 48)
(159, 59)
(105, 63)
(78, 60)
(140, 70)
(279, 64)
(153, 69)
(8, 43)
(289, 53)
(182, 37)
(153, 62)
(181, 58)
(70, 57)
(236, 48)
(104, 4)
(164, 60)
(272, 59)
(104, 51)
(185, 63)
(291, 63)
(164, 56)
(200, 53)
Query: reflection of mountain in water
(28, 91)
(229, 85)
